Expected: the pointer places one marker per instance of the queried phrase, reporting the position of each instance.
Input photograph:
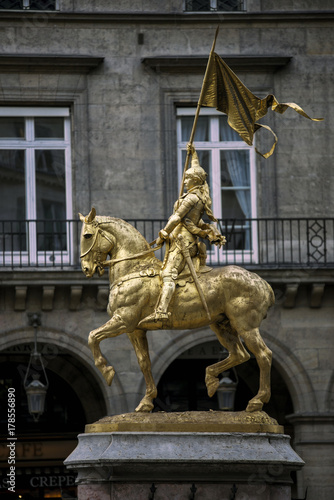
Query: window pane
(239, 238)
(12, 200)
(226, 133)
(230, 5)
(234, 168)
(198, 5)
(233, 204)
(51, 199)
(42, 4)
(207, 5)
(11, 4)
(202, 128)
(49, 128)
(235, 171)
(28, 4)
(12, 127)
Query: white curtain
(238, 169)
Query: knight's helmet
(196, 170)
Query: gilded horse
(237, 299)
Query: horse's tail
(271, 295)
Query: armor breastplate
(194, 207)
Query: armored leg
(168, 288)
(174, 265)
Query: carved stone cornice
(197, 64)
(183, 18)
(17, 63)
(311, 417)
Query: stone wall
(119, 116)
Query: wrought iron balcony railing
(253, 243)
(214, 5)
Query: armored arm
(186, 204)
(173, 221)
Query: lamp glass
(36, 392)
(226, 393)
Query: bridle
(97, 260)
(97, 232)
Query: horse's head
(95, 244)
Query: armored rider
(187, 222)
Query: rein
(109, 263)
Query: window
(230, 165)
(35, 183)
(29, 4)
(214, 5)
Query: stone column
(313, 442)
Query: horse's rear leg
(115, 326)
(263, 355)
(229, 338)
(140, 344)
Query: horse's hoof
(145, 407)
(255, 405)
(212, 384)
(109, 374)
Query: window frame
(29, 144)
(215, 146)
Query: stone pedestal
(170, 462)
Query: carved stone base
(189, 421)
(131, 464)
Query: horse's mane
(105, 219)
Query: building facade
(96, 106)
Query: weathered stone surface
(214, 461)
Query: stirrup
(159, 315)
(156, 318)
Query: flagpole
(191, 140)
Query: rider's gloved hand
(163, 235)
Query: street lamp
(226, 392)
(36, 390)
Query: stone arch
(293, 373)
(290, 368)
(329, 396)
(179, 342)
(80, 370)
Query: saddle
(151, 271)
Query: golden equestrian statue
(236, 303)
(181, 292)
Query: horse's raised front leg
(115, 326)
(229, 338)
(140, 344)
(263, 355)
